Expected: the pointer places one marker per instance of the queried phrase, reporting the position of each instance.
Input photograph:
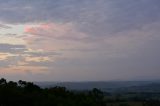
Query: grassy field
(125, 104)
(133, 99)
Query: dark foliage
(28, 94)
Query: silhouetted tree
(28, 94)
(3, 81)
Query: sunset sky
(80, 40)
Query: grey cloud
(95, 17)
(37, 54)
(10, 61)
(17, 54)
(9, 48)
(4, 26)
(11, 35)
(13, 51)
(17, 49)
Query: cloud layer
(80, 39)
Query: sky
(80, 40)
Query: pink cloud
(53, 36)
(34, 30)
(65, 31)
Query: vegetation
(24, 93)
(133, 99)
(28, 94)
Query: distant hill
(153, 87)
(110, 86)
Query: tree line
(24, 93)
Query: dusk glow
(80, 40)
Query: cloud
(5, 56)
(95, 39)
(4, 26)
(96, 17)
(9, 48)
(65, 31)
(22, 70)
(20, 57)
(59, 35)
